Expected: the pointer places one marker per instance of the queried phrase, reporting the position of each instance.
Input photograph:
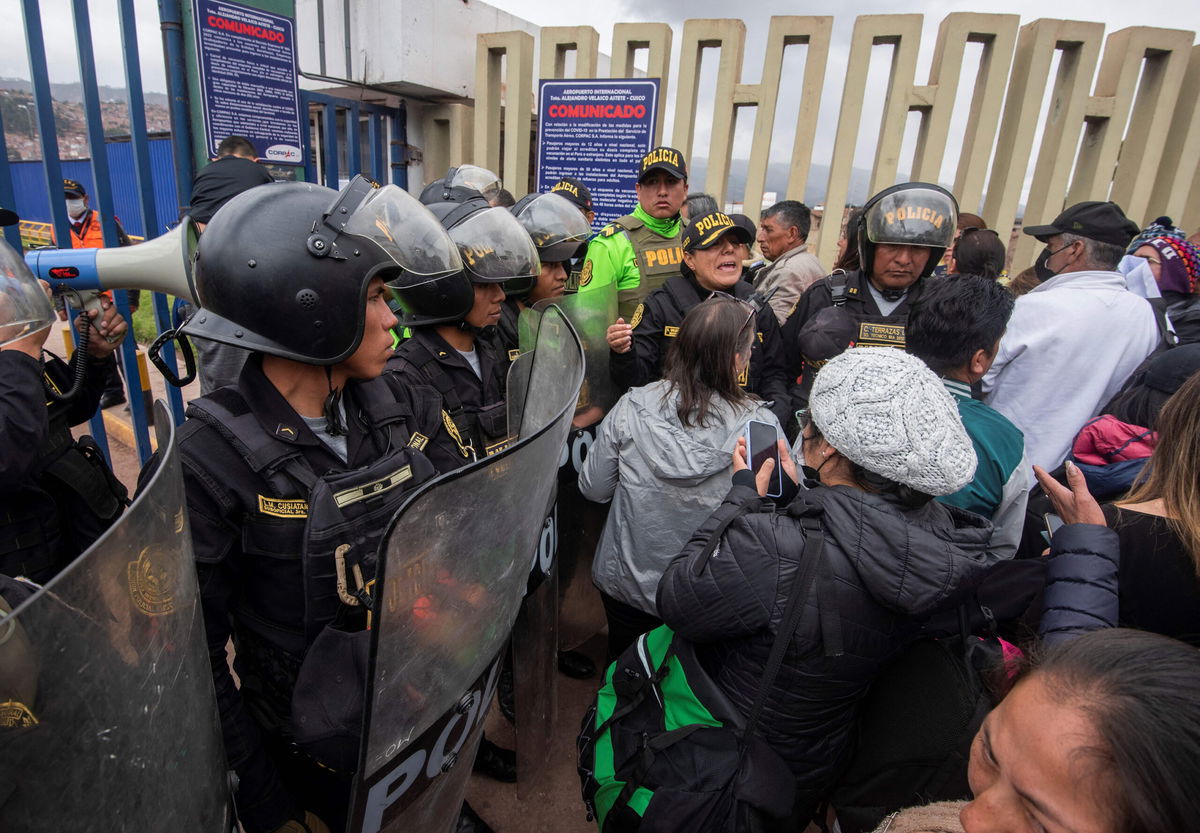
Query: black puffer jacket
(884, 568)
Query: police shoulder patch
(609, 230)
(637, 316)
(585, 276)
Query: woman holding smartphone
(883, 439)
(662, 457)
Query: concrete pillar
(1175, 186)
(556, 41)
(517, 49)
(656, 39)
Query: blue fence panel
(32, 203)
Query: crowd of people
(954, 459)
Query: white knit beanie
(888, 412)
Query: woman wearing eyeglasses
(713, 249)
(662, 457)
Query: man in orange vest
(86, 234)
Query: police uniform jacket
(871, 327)
(248, 535)
(656, 323)
(44, 522)
(426, 359)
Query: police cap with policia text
(575, 191)
(73, 187)
(1101, 221)
(704, 231)
(663, 159)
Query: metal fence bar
(48, 137)
(353, 141)
(331, 146)
(375, 161)
(8, 199)
(170, 16)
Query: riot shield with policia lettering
(565, 610)
(452, 571)
(108, 720)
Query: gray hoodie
(663, 480)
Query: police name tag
(376, 487)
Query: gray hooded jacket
(663, 480)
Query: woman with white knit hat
(883, 439)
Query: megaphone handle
(168, 372)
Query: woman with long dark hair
(662, 457)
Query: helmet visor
(480, 179)
(495, 247)
(24, 306)
(550, 220)
(913, 217)
(408, 233)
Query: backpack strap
(809, 515)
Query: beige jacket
(792, 273)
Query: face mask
(1044, 272)
(75, 208)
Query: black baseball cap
(8, 217)
(574, 190)
(704, 231)
(663, 159)
(72, 186)
(1102, 221)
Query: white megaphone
(163, 264)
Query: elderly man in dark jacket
(891, 557)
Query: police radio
(163, 264)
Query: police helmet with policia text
(283, 268)
(493, 247)
(909, 214)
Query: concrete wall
(1123, 121)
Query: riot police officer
(57, 494)
(448, 313)
(558, 230)
(292, 475)
(901, 235)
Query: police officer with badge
(448, 313)
(639, 251)
(57, 494)
(713, 246)
(901, 235)
(292, 475)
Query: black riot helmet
(910, 214)
(556, 226)
(283, 268)
(494, 248)
(461, 183)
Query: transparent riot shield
(453, 569)
(108, 719)
(580, 521)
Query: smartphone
(1053, 522)
(762, 444)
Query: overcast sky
(1115, 14)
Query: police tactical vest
(872, 330)
(318, 534)
(657, 258)
(478, 432)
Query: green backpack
(663, 749)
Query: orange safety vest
(91, 237)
